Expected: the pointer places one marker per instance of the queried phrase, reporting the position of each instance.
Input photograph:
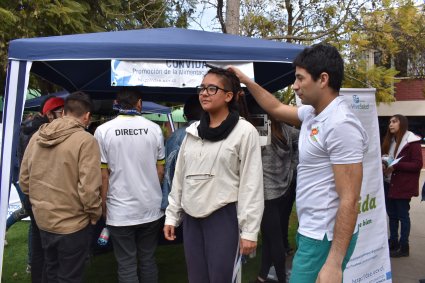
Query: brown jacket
(60, 172)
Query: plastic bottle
(103, 237)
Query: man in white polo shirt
(332, 144)
(133, 157)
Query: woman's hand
(388, 171)
(247, 247)
(384, 166)
(169, 232)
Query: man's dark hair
(77, 104)
(322, 58)
(127, 98)
(192, 108)
(231, 83)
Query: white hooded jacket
(210, 175)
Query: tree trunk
(232, 16)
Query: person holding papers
(402, 163)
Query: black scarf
(219, 133)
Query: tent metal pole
(13, 108)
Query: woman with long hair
(402, 159)
(280, 160)
(217, 190)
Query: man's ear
(139, 105)
(86, 118)
(324, 80)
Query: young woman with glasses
(217, 190)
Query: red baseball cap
(52, 103)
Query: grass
(102, 268)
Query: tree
(33, 18)
(393, 29)
(299, 21)
(229, 24)
(394, 36)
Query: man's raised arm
(270, 104)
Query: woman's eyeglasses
(211, 89)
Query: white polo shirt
(131, 147)
(335, 136)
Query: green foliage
(392, 30)
(394, 36)
(181, 12)
(35, 18)
(286, 96)
(303, 21)
(257, 25)
(7, 18)
(357, 75)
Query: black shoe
(403, 251)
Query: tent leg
(14, 99)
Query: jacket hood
(58, 130)
(192, 129)
(411, 137)
(408, 138)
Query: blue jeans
(134, 249)
(398, 212)
(18, 214)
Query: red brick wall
(410, 89)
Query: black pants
(273, 225)
(37, 253)
(65, 255)
(134, 249)
(287, 210)
(211, 246)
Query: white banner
(370, 261)
(169, 73)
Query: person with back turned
(60, 172)
(132, 152)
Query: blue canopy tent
(63, 59)
(82, 62)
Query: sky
(205, 19)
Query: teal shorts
(311, 256)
